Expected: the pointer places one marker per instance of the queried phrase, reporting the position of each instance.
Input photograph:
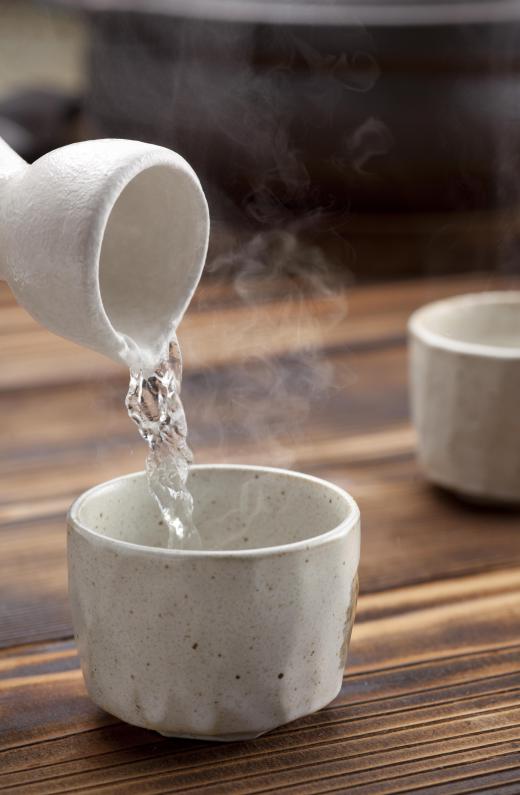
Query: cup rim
(341, 529)
(417, 327)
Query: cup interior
(236, 508)
(489, 320)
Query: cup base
(216, 738)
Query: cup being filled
(227, 641)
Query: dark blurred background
(383, 137)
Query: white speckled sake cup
(465, 393)
(229, 641)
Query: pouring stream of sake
(153, 402)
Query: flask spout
(104, 243)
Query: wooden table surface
(430, 702)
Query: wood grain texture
(430, 703)
(219, 334)
(393, 729)
(261, 404)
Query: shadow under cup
(229, 641)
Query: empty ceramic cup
(229, 641)
(465, 393)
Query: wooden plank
(30, 356)
(414, 531)
(404, 726)
(279, 407)
(417, 686)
